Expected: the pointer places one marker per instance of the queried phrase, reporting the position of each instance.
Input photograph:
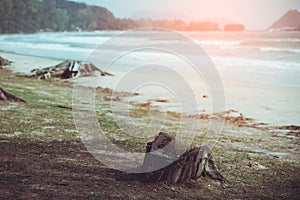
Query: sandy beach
(271, 104)
(25, 63)
(43, 156)
(275, 105)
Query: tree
(5, 15)
(30, 16)
(87, 19)
(60, 19)
(32, 23)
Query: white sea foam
(291, 40)
(274, 49)
(219, 43)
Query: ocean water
(270, 57)
(248, 59)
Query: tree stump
(192, 164)
(6, 96)
(68, 69)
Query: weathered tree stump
(6, 96)
(192, 164)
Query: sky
(254, 14)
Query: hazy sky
(255, 14)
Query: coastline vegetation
(30, 16)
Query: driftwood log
(6, 96)
(192, 164)
(68, 69)
(86, 69)
(51, 72)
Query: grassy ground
(42, 156)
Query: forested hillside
(53, 15)
(29, 16)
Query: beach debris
(6, 96)
(292, 130)
(145, 105)
(256, 165)
(76, 69)
(205, 96)
(160, 100)
(234, 116)
(112, 98)
(231, 116)
(193, 164)
(294, 133)
(204, 116)
(63, 107)
(4, 62)
(68, 69)
(49, 72)
(291, 127)
(116, 94)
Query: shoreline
(14, 55)
(24, 63)
(254, 100)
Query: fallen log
(68, 69)
(50, 72)
(6, 96)
(193, 164)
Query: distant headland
(288, 22)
